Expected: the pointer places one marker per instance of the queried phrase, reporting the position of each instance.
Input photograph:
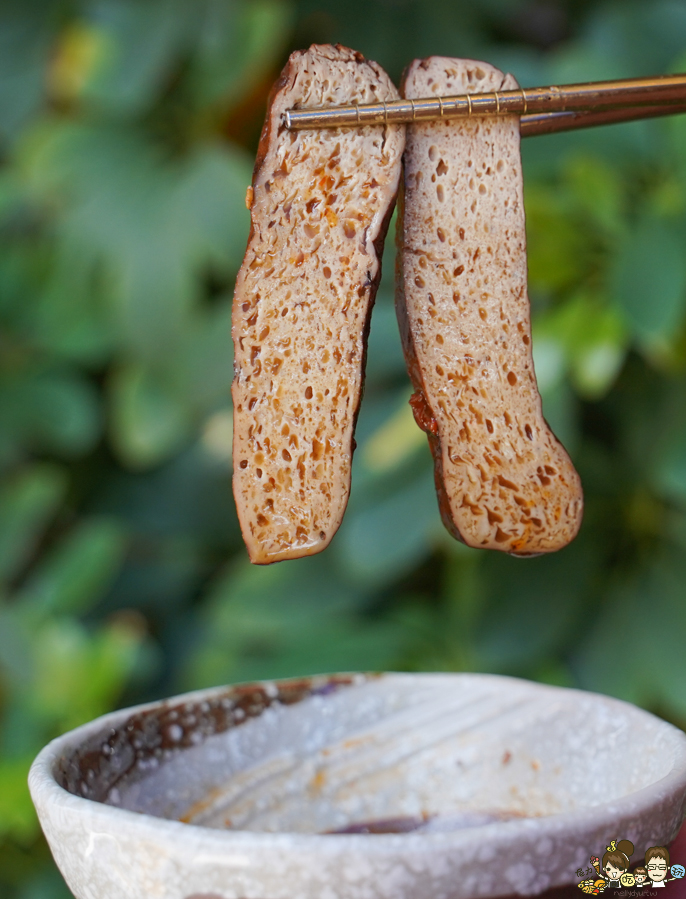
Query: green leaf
(52, 409)
(206, 362)
(385, 540)
(591, 335)
(667, 461)
(238, 43)
(638, 37)
(28, 500)
(314, 626)
(113, 191)
(16, 661)
(77, 571)
(139, 44)
(649, 279)
(70, 319)
(78, 675)
(561, 411)
(557, 247)
(384, 352)
(79, 167)
(207, 219)
(25, 39)
(597, 189)
(153, 289)
(549, 357)
(394, 441)
(17, 815)
(152, 227)
(633, 648)
(534, 606)
(148, 417)
(672, 473)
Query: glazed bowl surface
(351, 786)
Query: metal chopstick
(555, 122)
(596, 102)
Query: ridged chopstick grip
(570, 97)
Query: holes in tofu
(440, 233)
(308, 393)
(441, 168)
(494, 517)
(440, 193)
(542, 477)
(511, 378)
(433, 153)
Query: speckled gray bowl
(498, 786)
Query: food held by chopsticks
(504, 481)
(320, 205)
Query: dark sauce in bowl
(427, 823)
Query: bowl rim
(47, 792)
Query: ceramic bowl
(392, 786)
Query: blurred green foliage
(127, 130)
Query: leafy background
(127, 130)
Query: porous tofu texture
(320, 205)
(504, 480)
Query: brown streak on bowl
(148, 736)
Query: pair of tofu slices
(320, 204)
